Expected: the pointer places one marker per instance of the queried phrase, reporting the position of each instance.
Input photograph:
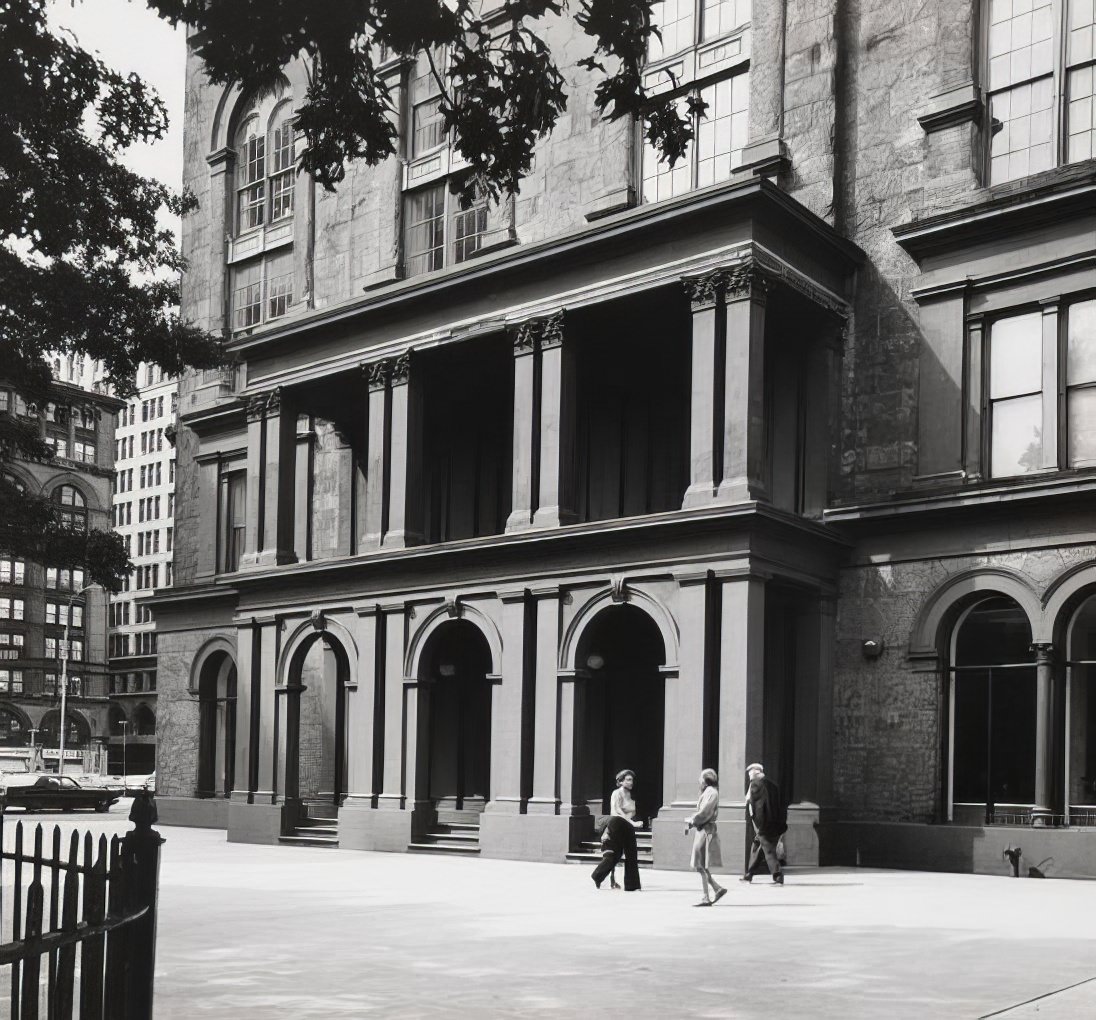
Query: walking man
(765, 810)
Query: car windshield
(69, 784)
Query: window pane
(722, 133)
(248, 295)
(1081, 427)
(660, 180)
(469, 230)
(674, 19)
(1081, 114)
(1081, 343)
(427, 127)
(282, 169)
(1021, 42)
(1082, 31)
(251, 176)
(721, 16)
(1017, 442)
(1023, 145)
(1015, 356)
(425, 230)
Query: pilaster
(706, 395)
(1044, 736)
(271, 467)
(376, 379)
(268, 640)
(546, 749)
(684, 733)
(405, 457)
(526, 429)
(507, 709)
(555, 503)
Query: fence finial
(143, 814)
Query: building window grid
(1041, 72)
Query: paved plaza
(252, 931)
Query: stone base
(197, 812)
(1058, 853)
(388, 830)
(532, 837)
(254, 823)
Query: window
(1031, 92)
(427, 125)
(169, 538)
(11, 680)
(12, 571)
(233, 505)
(710, 65)
(1019, 411)
(74, 514)
(11, 609)
(11, 645)
(425, 230)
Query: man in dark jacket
(765, 810)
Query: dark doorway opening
(454, 672)
(619, 657)
(217, 726)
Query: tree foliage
(85, 268)
(503, 90)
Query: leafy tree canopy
(84, 267)
(503, 91)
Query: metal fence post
(140, 859)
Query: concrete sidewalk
(250, 931)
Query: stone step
(467, 849)
(307, 840)
(317, 830)
(591, 858)
(455, 837)
(594, 846)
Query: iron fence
(78, 924)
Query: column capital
(274, 401)
(256, 407)
(748, 281)
(1044, 652)
(400, 371)
(524, 337)
(552, 331)
(376, 373)
(541, 332)
(706, 290)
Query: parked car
(58, 793)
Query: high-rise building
(37, 600)
(143, 514)
(784, 453)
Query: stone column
(392, 788)
(405, 457)
(304, 469)
(555, 503)
(745, 471)
(507, 709)
(1044, 736)
(684, 739)
(525, 429)
(741, 682)
(545, 799)
(706, 396)
(210, 522)
(376, 444)
(269, 681)
(271, 473)
(359, 715)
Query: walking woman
(619, 836)
(706, 853)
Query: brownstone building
(783, 453)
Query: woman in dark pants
(619, 841)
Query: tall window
(1019, 411)
(702, 53)
(437, 231)
(74, 514)
(262, 270)
(1041, 109)
(992, 696)
(233, 516)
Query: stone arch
(210, 648)
(1062, 596)
(116, 715)
(91, 499)
(441, 615)
(21, 476)
(83, 724)
(144, 720)
(302, 639)
(233, 101)
(11, 711)
(615, 594)
(958, 589)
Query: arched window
(993, 709)
(74, 512)
(116, 720)
(266, 178)
(12, 733)
(15, 483)
(144, 722)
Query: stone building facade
(784, 454)
(38, 599)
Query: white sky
(129, 37)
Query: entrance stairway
(455, 832)
(589, 851)
(314, 831)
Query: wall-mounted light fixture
(872, 648)
(595, 662)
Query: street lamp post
(64, 677)
(125, 773)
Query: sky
(129, 37)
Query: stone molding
(264, 405)
(400, 370)
(377, 373)
(539, 333)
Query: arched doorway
(453, 674)
(992, 699)
(1080, 723)
(13, 731)
(77, 736)
(618, 659)
(217, 726)
(315, 726)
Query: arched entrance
(77, 737)
(453, 674)
(992, 699)
(13, 729)
(217, 726)
(315, 726)
(618, 658)
(1080, 715)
